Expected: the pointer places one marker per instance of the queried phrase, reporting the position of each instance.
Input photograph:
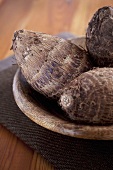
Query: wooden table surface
(49, 16)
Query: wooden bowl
(47, 113)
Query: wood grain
(14, 154)
(48, 16)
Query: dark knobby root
(89, 98)
(48, 62)
(99, 37)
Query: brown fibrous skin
(89, 98)
(48, 62)
(99, 37)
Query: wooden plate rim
(53, 123)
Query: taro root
(48, 62)
(99, 37)
(89, 98)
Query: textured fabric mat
(63, 152)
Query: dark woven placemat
(63, 152)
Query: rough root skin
(48, 62)
(99, 37)
(92, 97)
